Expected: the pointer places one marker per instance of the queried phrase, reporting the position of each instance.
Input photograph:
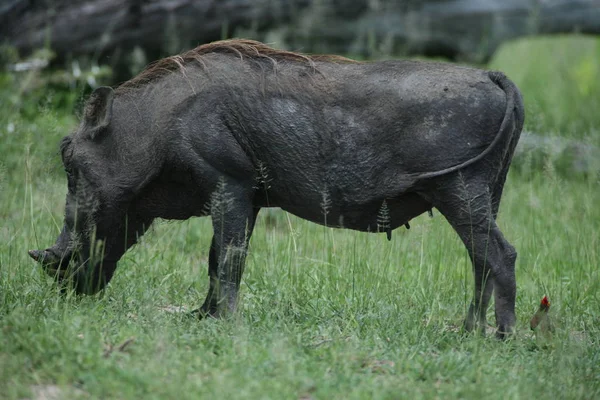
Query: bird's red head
(545, 302)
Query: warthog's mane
(241, 48)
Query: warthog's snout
(52, 262)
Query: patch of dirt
(54, 392)
(173, 309)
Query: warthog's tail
(509, 132)
(519, 115)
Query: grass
(560, 80)
(324, 313)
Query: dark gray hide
(335, 142)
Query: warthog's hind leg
(466, 204)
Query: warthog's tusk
(37, 255)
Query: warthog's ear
(98, 111)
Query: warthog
(234, 126)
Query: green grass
(323, 313)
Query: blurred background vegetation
(54, 53)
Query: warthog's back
(356, 129)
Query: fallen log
(468, 30)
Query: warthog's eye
(69, 172)
(70, 178)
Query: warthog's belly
(381, 215)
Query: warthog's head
(98, 226)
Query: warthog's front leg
(233, 221)
(210, 303)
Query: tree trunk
(469, 30)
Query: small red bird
(541, 320)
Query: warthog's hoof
(505, 332)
